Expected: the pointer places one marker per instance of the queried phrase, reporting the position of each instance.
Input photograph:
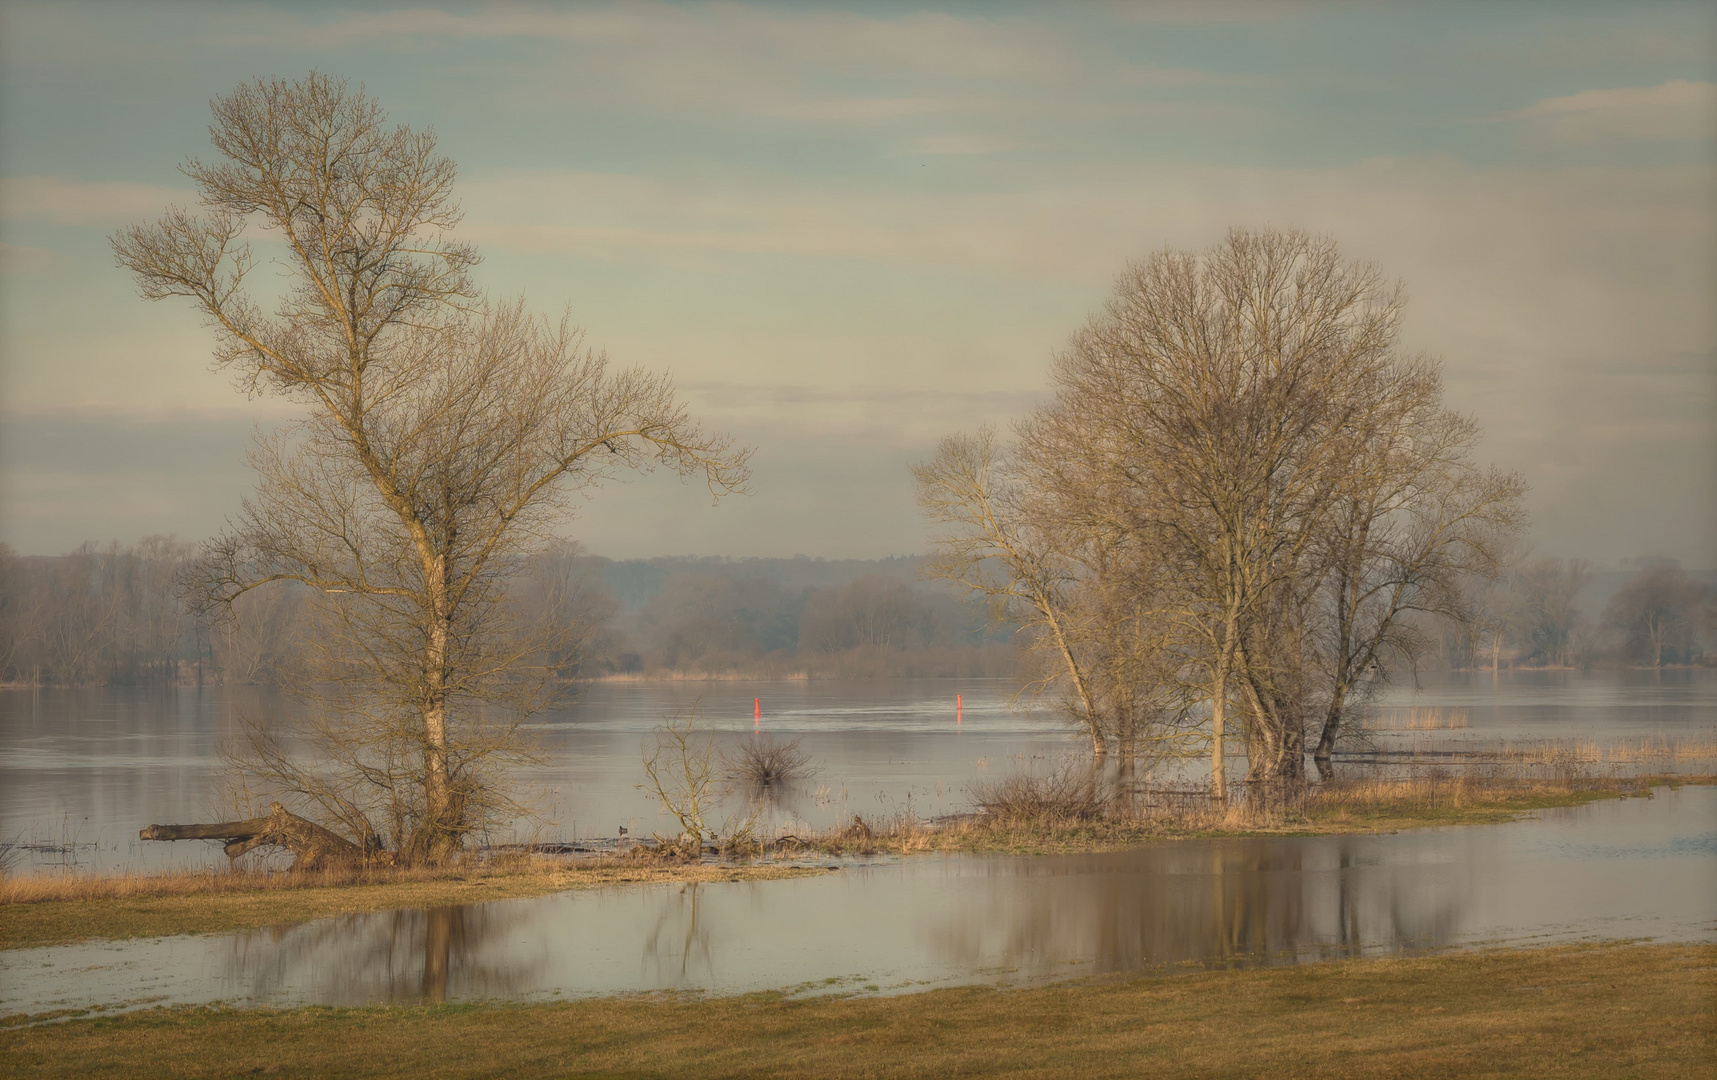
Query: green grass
(1595, 1011)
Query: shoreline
(69, 909)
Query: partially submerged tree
(1003, 533)
(1239, 453)
(443, 436)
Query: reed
(1415, 718)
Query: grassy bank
(59, 909)
(1639, 1011)
(1055, 818)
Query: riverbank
(62, 909)
(1052, 820)
(1585, 1011)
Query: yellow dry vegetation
(1574, 1012)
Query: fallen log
(312, 846)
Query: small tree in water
(443, 435)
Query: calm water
(1639, 868)
(81, 771)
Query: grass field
(1592, 1011)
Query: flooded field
(84, 770)
(1637, 868)
(81, 771)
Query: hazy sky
(850, 229)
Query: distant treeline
(111, 614)
(1560, 613)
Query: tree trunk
(442, 828)
(312, 846)
(1332, 727)
(1218, 746)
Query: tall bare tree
(443, 436)
(1240, 431)
(1003, 532)
(1417, 520)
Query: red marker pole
(756, 714)
(959, 707)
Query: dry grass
(1056, 814)
(1066, 795)
(62, 908)
(1414, 718)
(1581, 1012)
(49, 887)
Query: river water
(1636, 868)
(81, 771)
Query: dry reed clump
(762, 763)
(1065, 795)
(43, 888)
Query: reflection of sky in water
(1643, 868)
(93, 766)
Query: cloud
(15, 259)
(958, 144)
(61, 200)
(1676, 111)
(1608, 47)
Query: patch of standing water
(1634, 868)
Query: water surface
(81, 771)
(1636, 868)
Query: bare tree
(443, 438)
(1007, 535)
(1417, 520)
(1657, 608)
(987, 543)
(1262, 482)
(1547, 589)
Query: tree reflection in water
(676, 938)
(1221, 902)
(416, 955)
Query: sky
(848, 230)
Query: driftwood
(313, 846)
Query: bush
(1067, 794)
(763, 764)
